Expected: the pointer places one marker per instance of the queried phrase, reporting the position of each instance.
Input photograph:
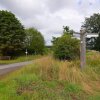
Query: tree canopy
(35, 41)
(66, 30)
(92, 25)
(12, 33)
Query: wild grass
(19, 59)
(51, 79)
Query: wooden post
(83, 48)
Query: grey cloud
(24, 8)
(86, 8)
(56, 5)
(49, 16)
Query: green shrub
(66, 47)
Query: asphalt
(11, 67)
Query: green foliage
(90, 43)
(92, 25)
(94, 97)
(12, 34)
(73, 88)
(97, 43)
(66, 47)
(48, 50)
(35, 41)
(67, 30)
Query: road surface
(10, 67)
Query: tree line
(15, 39)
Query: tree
(35, 41)
(12, 34)
(92, 25)
(66, 47)
(66, 30)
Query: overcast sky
(49, 16)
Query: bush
(66, 47)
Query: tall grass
(51, 79)
(50, 69)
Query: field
(51, 79)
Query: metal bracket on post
(83, 48)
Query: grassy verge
(50, 79)
(20, 59)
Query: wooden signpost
(83, 48)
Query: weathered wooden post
(83, 48)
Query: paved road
(10, 67)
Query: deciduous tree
(92, 25)
(12, 33)
(35, 41)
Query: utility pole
(83, 48)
